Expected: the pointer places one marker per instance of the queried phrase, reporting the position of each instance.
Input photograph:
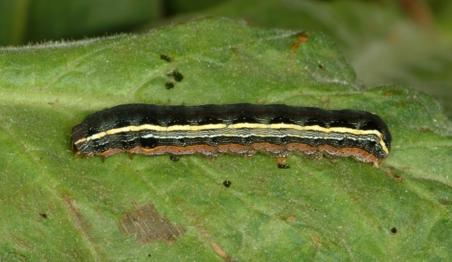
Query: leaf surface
(56, 206)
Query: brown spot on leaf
(301, 39)
(392, 172)
(220, 252)
(316, 240)
(82, 225)
(147, 225)
(77, 217)
(291, 219)
(281, 161)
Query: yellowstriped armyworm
(234, 128)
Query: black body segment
(125, 127)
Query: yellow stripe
(235, 126)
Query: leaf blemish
(79, 221)
(283, 166)
(302, 38)
(394, 230)
(147, 225)
(220, 252)
(178, 76)
(227, 183)
(169, 85)
(166, 58)
(392, 173)
(282, 162)
(174, 158)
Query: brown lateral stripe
(236, 128)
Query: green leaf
(56, 206)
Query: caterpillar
(233, 128)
